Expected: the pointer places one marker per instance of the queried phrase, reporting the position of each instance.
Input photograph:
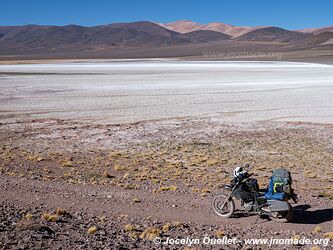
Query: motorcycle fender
(278, 206)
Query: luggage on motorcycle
(280, 185)
(252, 184)
(282, 180)
(278, 206)
(243, 193)
(248, 190)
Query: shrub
(317, 229)
(92, 230)
(129, 227)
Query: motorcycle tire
(217, 203)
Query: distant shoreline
(3, 61)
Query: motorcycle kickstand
(258, 215)
(255, 222)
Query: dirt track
(156, 177)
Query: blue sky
(290, 14)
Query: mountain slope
(185, 26)
(182, 26)
(147, 39)
(317, 30)
(204, 36)
(144, 26)
(131, 34)
(273, 34)
(36, 36)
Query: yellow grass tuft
(133, 235)
(92, 230)
(61, 211)
(114, 154)
(39, 159)
(188, 248)
(167, 188)
(53, 218)
(150, 233)
(212, 162)
(177, 224)
(29, 216)
(102, 220)
(166, 228)
(118, 168)
(50, 217)
(67, 163)
(328, 195)
(205, 190)
(310, 174)
(154, 180)
(315, 248)
(329, 235)
(219, 233)
(295, 237)
(30, 157)
(129, 227)
(317, 229)
(46, 216)
(123, 216)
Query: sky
(289, 14)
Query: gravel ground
(114, 155)
(134, 182)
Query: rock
(28, 225)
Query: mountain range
(149, 39)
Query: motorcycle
(245, 189)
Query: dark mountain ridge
(273, 34)
(138, 38)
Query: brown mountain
(182, 26)
(273, 34)
(144, 26)
(200, 36)
(6, 29)
(147, 39)
(137, 34)
(322, 37)
(186, 26)
(52, 37)
(317, 30)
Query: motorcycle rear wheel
(225, 211)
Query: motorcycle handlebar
(247, 167)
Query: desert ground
(112, 154)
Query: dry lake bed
(131, 91)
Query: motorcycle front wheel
(226, 210)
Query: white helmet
(238, 171)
